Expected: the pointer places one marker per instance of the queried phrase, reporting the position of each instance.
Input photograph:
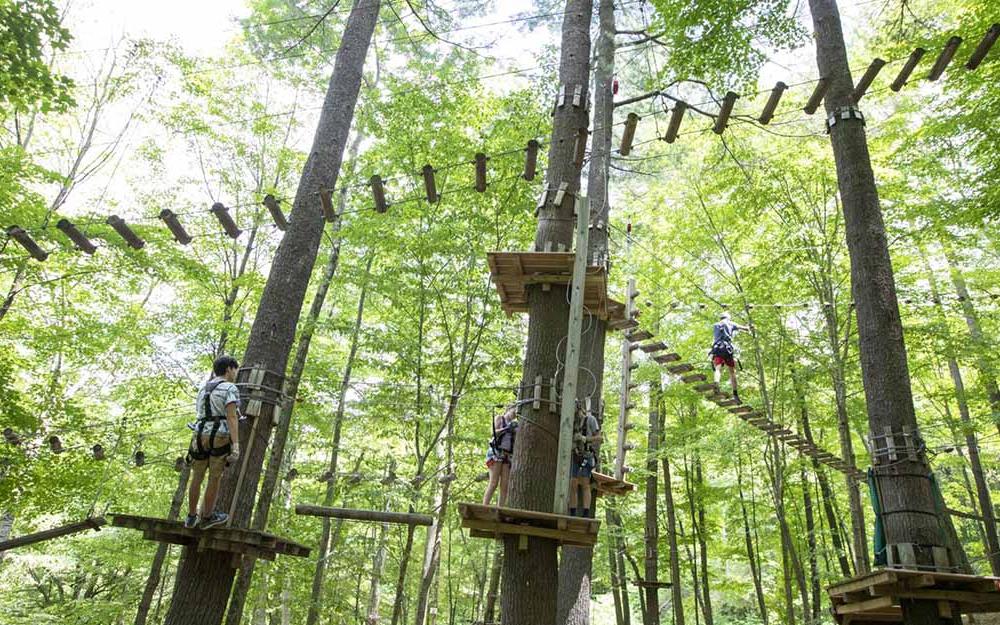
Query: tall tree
(530, 577)
(205, 578)
(576, 562)
(909, 510)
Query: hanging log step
(681, 368)
(741, 410)
(691, 378)
(665, 358)
(237, 541)
(93, 523)
(497, 522)
(641, 335)
(353, 514)
(649, 348)
(707, 386)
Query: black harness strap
(200, 452)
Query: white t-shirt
(222, 395)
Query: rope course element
(675, 365)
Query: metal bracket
(844, 113)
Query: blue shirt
(724, 331)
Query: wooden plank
(470, 510)
(352, 514)
(864, 606)
(863, 582)
(653, 347)
(681, 368)
(562, 536)
(665, 358)
(641, 335)
(693, 377)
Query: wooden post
(947, 53)
(724, 112)
(676, 117)
(530, 159)
(626, 383)
(276, 214)
(21, 236)
(567, 414)
(984, 47)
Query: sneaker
(736, 396)
(191, 521)
(216, 518)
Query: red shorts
(723, 360)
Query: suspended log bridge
(92, 523)
(675, 365)
(514, 272)
(496, 522)
(875, 597)
(353, 514)
(608, 486)
(237, 541)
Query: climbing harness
(197, 449)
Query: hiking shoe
(216, 518)
(736, 396)
(191, 521)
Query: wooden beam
(352, 514)
(94, 523)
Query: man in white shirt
(215, 443)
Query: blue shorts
(582, 469)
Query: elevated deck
(608, 486)
(496, 522)
(875, 597)
(231, 540)
(514, 272)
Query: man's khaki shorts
(215, 465)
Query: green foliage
(31, 30)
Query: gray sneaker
(216, 518)
(191, 521)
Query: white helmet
(724, 316)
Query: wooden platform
(496, 522)
(514, 272)
(231, 540)
(607, 485)
(875, 597)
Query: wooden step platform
(496, 522)
(665, 358)
(607, 485)
(875, 597)
(657, 346)
(232, 540)
(514, 272)
(642, 583)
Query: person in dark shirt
(584, 462)
(723, 351)
(499, 454)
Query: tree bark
(909, 510)
(575, 564)
(986, 370)
(530, 577)
(276, 457)
(969, 431)
(489, 614)
(676, 598)
(751, 556)
(205, 578)
(703, 543)
(316, 595)
(378, 565)
(814, 591)
(616, 582)
(154, 577)
(651, 532)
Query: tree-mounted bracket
(844, 113)
(259, 387)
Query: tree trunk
(703, 544)
(651, 532)
(693, 557)
(908, 504)
(432, 550)
(322, 552)
(375, 592)
(751, 556)
(530, 577)
(276, 458)
(969, 431)
(575, 563)
(154, 577)
(858, 532)
(982, 349)
(616, 582)
(205, 578)
(676, 598)
(620, 565)
(825, 490)
(814, 590)
(489, 614)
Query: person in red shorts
(723, 351)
